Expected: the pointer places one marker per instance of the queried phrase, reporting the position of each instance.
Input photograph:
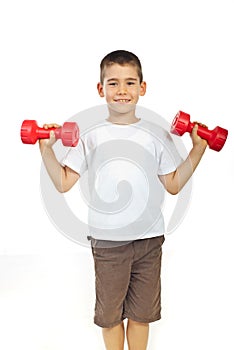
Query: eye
(112, 84)
(130, 83)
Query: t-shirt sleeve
(75, 158)
(169, 158)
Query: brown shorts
(128, 283)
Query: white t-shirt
(120, 164)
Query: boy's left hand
(196, 139)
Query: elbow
(173, 187)
(174, 193)
(173, 190)
(61, 189)
(171, 183)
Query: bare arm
(62, 177)
(176, 180)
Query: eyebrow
(133, 79)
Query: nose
(122, 89)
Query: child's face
(121, 86)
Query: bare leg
(114, 337)
(137, 335)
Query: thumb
(52, 139)
(195, 128)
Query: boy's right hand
(198, 142)
(51, 141)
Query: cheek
(136, 93)
(110, 92)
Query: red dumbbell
(68, 133)
(216, 138)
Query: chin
(122, 108)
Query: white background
(50, 55)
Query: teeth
(123, 100)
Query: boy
(127, 263)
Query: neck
(117, 117)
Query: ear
(100, 90)
(143, 88)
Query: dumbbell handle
(45, 133)
(202, 131)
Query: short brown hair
(121, 57)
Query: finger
(200, 124)
(51, 125)
(56, 125)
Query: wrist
(200, 147)
(45, 146)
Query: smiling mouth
(121, 100)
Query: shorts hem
(110, 325)
(133, 318)
(143, 320)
